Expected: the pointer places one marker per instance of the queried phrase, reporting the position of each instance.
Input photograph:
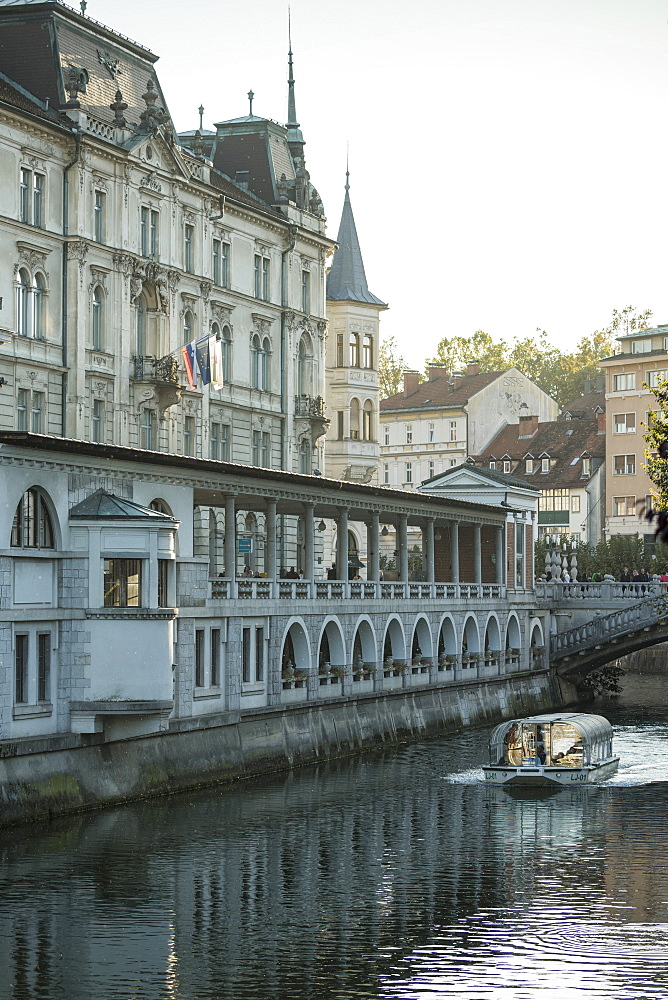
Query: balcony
(312, 410)
(162, 374)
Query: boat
(567, 749)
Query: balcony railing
(148, 369)
(309, 406)
(222, 589)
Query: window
(226, 353)
(189, 436)
(265, 279)
(246, 655)
(623, 382)
(214, 440)
(340, 360)
(544, 465)
(225, 442)
(97, 319)
(367, 422)
(528, 466)
(558, 500)
(506, 467)
(36, 410)
(163, 583)
(31, 528)
(38, 308)
(266, 450)
(453, 461)
(188, 238)
(149, 231)
(339, 424)
(30, 311)
(386, 474)
(122, 583)
(586, 466)
(259, 654)
(306, 291)
(355, 419)
(575, 504)
(141, 326)
(147, 429)
(216, 261)
(409, 473)
(31, 198)
(305, 457)
(641, 346)
(43, 666)
(655, 378)
(255, 448)
(187, 327)
(409, 434)
(624, 506)
(386, 435)
(20, 669)
(367, 351)
(22, 304)
(99, 217)
(354, 350)
(519, 554)
(260, 363)
(22, 410)
(453, 430)
(215, 657)
(624, 423)
(261, 277)
(199, 657)
(624, 465)
(492, 465)
(225, 265)
(430, 433)
(257, 271)
(97, 421)
(431, 469)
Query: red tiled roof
(440, 392)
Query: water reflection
(377, 877)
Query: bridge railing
(590, 634)
(290, 590)
(607, 590)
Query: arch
(367, 421)
(421, 645)
(32, 526)
(331, 645)
(161, 506)
(295, 648)
(264, 364)
(492, 635)
(226, 353)
(367, 351)
(255, 361)
(22, 304)
(188, 327)
(305, 456)
(97, 304)
(304, 365)
(447, 638)
(364, 643)
(513, 633)
(470, 636)
(394, 640)
(355, 428)
(142, 326)
(38, 308)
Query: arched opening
(264, 365)
(305, 456)
(142, 326)
(250, 532)
(22, 304)
(394, 644)
(161, 506)
(32, 527)
(38, 308)
(226, 353)
(295, 656)
(304, 366)
(470, 642)
(421, 651)
(188, 327)
(513, 640)
(355, 419)
(331, 652)
(447, 645)
(492, 649)
(98, 306)
(537, 645)
(367, 421)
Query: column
(477, 554)
(373, 547)
(454, 551)
(342, 545)
(500, 551)
(231, 542)
(402, 547)
(270, 554)
(309, 542)
(428, 545)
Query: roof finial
(251, 95)
(347, 170)
(83, 6)
(201, 115)
(292, 112)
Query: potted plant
(339, 671)
(368, 670)
(300, 677)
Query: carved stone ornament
(221, 314)
(78, 250)
(125, 263)
(112, 66)
(322, 328)
(98, 277)
(150, 182)
(150, 273)
(205, 288)
(32, 257)
(262, 324)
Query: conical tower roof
(346, 280)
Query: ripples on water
(396, 874)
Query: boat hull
(541, 775)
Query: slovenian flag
(188, 354)
(203, 359)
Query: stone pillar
(342, 545)
(500, 551)
(309, 542)
(477, 554)
(373, 547)
(454, 551)
(231, 542)
(428, 547)
(402, 547)
(270, 553)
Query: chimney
(411, 382)
(456, 379)
(473, 368)
(435, 371)
(600, 422)
(528, 426)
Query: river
(398, 873)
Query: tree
(391, 366)
(656, 437)
(454, 353)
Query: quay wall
(41, 781)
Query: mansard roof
(105, 506)
(346, 280)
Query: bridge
(612, 619)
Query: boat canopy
(563, 739)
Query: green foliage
(605, 680)
(656, 437)
(391, 366)
(612, 556)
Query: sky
(508, 158)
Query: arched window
(304, 366)
(367, 352)
(255, 362)
(97, 319)
(227, 353)
(354, 343)
(32, 527)
(367, 421)
(355, 419)
(187, 327)
(264, 364)
(141, 326)
(305, 457)
(38, 308)
(22, 311)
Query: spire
(346, 279)
(294, 136)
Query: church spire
(346, 279)
(294, 137)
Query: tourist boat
(551, 750)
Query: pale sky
(508, 157)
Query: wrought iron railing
(309, 406)
(148, 369)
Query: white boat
(551, 750)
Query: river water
(395, 874)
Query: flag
(188, 354)
(203, 359)
(216, 358)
